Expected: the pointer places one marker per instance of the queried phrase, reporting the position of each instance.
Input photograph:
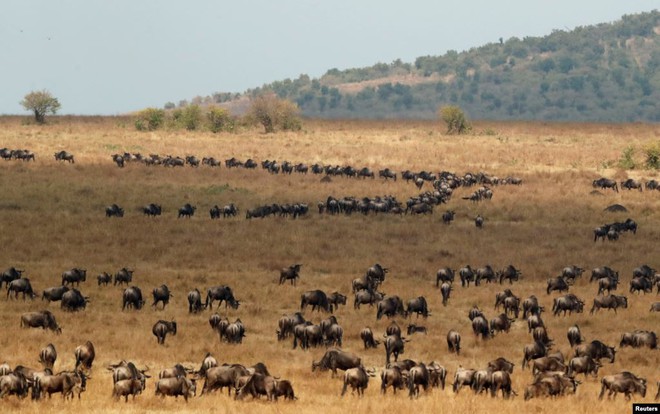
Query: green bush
(219, 119)
(455, 119)
(149, 119)
(274, 113)
(652, 153)
(626, 161)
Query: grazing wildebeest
(607, 283)
(73, 300)
(152, 210)
(10, 274)
(556, 283)
(444, 274)
(574, 335)
(85, 355)
(367, 337)
(509, 272)
(445, 290)
(162, 328)
(501, 364)
(512, 306)
(176, 386)
(290, 273)
(596, 350)
(132, 298)
(624, 382)
(609, 302)
(317, 299)
(641, 284)
(448, 216)
(546, 364)
(256, 385)
(500, 323)
(126, 387)
(357, 378)
(161, 294)
(14, 384)
(54, 294)
(195, 301)
(124, 275)
(114, 211)
(335, 359)
(335, 299)
(64, 156)
(21, 285)
(48, 356)
(104, 279)
(639, 338)
(65, 382)
(454, 341)
(221, 293)
(531, 306)
(43, 319)
(367, 296)
(583, 365)
(419, 306)
(223, 376)
(463, 377)
(391, 377)
(533, 351)
(390, 306)
(187, 210)
(467, 275)
(570, 273)
(412, 329)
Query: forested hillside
(607, 72)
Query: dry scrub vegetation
(52, 217)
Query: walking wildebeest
(454, 341)
(317, 299)
(290, 273)
(132, 298)
(161, 294)
(85, 355)
(624, 382)
(162, 328)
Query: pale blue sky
(116, 56)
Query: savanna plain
(52, 216)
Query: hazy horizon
(111, 58)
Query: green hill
(606, 72)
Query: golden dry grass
(52, 216)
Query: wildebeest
(533, 351)
(229, 210)
(195, 301)
(463, 377)
(531, 306)
(418, 375)
(501, 364)
(75, 275)
(534, 321)
(214, 212)
(85, 355)
(419, 306)
(639, 338)
(368, 339)
(223, 376)
(448, 216)
(568, 302)
(480, 327)
(655, 307)
(357, 378)
(221, 293)
(467, 275)
(256, 385)
(10, 274)
(624, 382)
(14, 384)
(454, 341)
(412, 329)
(21, 285)
(126, 387)
(445, 290)
(54, 294)
(367, 296)
(391, 377)
(547, 363)
(556, 283)
(509, 272)
(73, 300)
(474, 312)
(641, 284)
(64, 156)
(290, 273)
(596, 350)
(444, 274)
(104, 279)
(609, 302)
(335, 299)
(583, 365)
(162, 328)
(235, 332)
(607, 283)
(132, 298)
(152, 210)
(500, 323)
(437, 374)
(572, 272)
(176, 386)
(630, 184)
(390, 306)
(605, 183)
(65, 382)
(479, 221)
(124, 275)
(574, 335)
(43, 319)
(114, 211)
(187, 210)
(317, 299)
(48, 356)
(161, 294)
(604, 271)
(484, 273)
(512, 306)
(335, 359)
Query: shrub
(149, 119)
(274, 113)
(652, 153)
(219, 119)
(626, 161)
(455, 119)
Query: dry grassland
(52, 219)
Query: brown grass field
(52, 219)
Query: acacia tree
(455, 119)
(274, 113)
(40, 103)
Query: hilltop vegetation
(606, 72)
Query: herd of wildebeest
(554, 373)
